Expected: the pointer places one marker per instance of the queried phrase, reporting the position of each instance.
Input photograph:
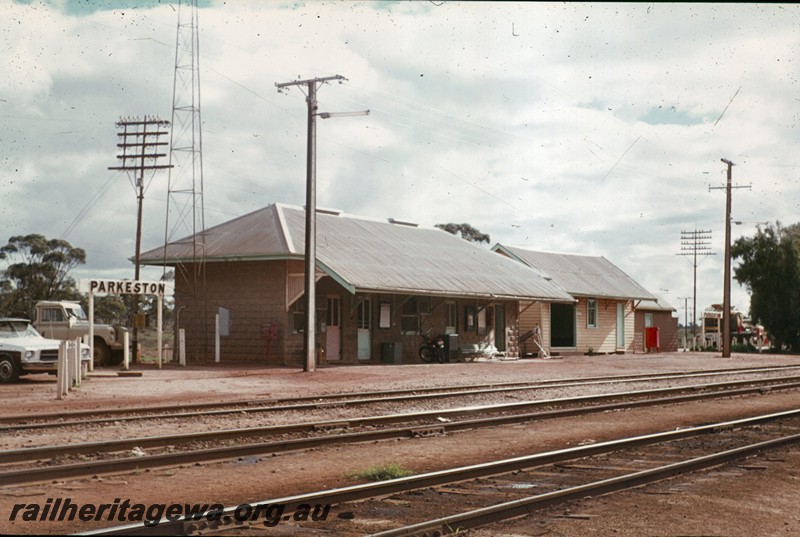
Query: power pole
(140, 144)
(311, 207)
(726, 288)
(685, 322)
(694, 243)
(311, 216)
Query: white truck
(66, 320)
(23, 350)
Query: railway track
(451, 501)
(90, 417)
(112, 456)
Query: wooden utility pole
(310, 279)
(311, 217)
(694, 243)
(726, 288)
(139, 142)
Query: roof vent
(323, 210)
(401, 223)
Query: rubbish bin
(652, 339)
(451, 347)
(391, 352)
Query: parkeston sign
(125, 287)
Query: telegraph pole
(311, 207)
(685, 322)
(726, 288)
(694, 243)
(309, 281)
(139, 142)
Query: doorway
(500, 327)
(333, 329)
(562, 325)
(364, 329)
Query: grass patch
(382, 473)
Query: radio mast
(185, 220)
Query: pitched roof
(655, 305)
(580, 274)
(366, 255)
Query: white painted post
(76, 358)
(182, 346)
(216, 338)
(63, 356)
(85, 372)
(158, 339)
(60, 372)
(91, 331)
(126, 351)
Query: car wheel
(9, 372)
(102, 354)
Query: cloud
(579, 128)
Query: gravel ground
(256, 479)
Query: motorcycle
(432, 349)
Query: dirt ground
(751, 503)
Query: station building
(380, 285)
(600, 321)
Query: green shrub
(382, 473)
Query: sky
(592, 129)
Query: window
(648, 320)
(52, 315)
(409, 317)
(364, 319)
(386, 315)
(469, 319)
(298, 317)
(452, 318)
(591, 312)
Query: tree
(109, 309)
(37, 269)
(769, 268)
(467, 232)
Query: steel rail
(316, 402)
(453, 475)
(64, 471)
(61, 450)
(525, 506)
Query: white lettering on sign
(125, 287)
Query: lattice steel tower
(185, 221)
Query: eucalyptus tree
(37, 268)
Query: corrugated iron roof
(655, 305)
(582, 275)
(370, 255)
(257, 235)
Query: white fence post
(182, 346)
(76, 360)
(59, 372)
(62, 370)
(91, 331)
(126, 350)
(216, 340)
(160, 316)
